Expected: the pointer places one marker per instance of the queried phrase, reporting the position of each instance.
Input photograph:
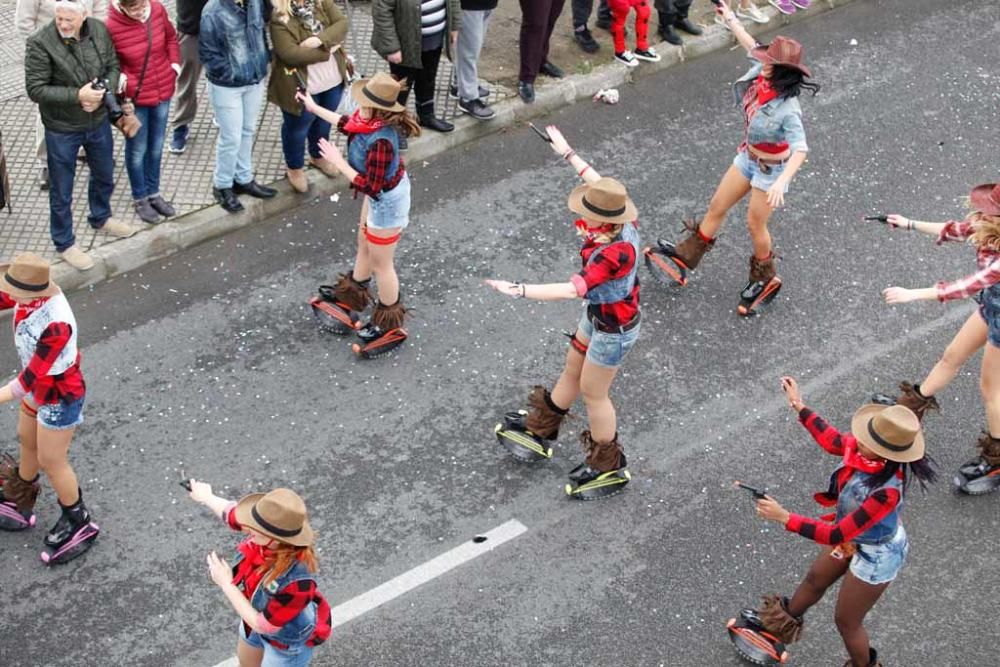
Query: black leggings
(421, 80)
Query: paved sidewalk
(186, 178)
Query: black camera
(109, 101)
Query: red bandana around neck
(249, 571)
(591, 233)
(765, 92)
(358, 125)
(855, 461)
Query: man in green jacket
(70, 71)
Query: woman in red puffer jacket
(146, 43)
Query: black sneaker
(483, 92)
(476, 109)
(604, 23)
(585, 40)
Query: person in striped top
(981, 228)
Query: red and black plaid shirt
(373, 181)
(987, 261)
(284, 605)
(34, 378)
(875, 508)
(612, 262)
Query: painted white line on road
(406, 582)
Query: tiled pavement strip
(186, 178)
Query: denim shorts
(294, 656)
(880, 563)
(751, 171)
(59, 416)
(392, 208)
(991, 316)
(606, 349)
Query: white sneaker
(77, 258)
(753, 13)
(122, 230)
(627, 58)
(649, 55)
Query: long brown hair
(987, 234)
(279, 559)
(403, 121)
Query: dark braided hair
(789, 81)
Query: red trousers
(619, 12)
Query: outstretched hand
(559, 144)
(792, 392)
(505, 287)
(895, 221)
(330, 152)
(201, 492)
(899, 295)
(307, 101)
(724, 10)
(769, 510)
(219, 569)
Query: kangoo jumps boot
(602, 474)
(763, 285)
(911, 397)
(774, 618)
(671, 262)
(17, 497)
(760, 635)
(524, 432)
(384, 332)
(72, 535)
(981, 475)
(338, 306)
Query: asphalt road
(210, 362)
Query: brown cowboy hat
(604, 200)
(27, 277)
(379, 92)
(891, 431)
(279, 514)
(782, 51)
(985, 198)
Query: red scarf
(358, 125)
(249, 572)
(765, 92)
(855, 461)
(590, 233)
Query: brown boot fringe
(601, 456)
(914, 401)
(989, 449)
(16, 490)
(351, 293)
(544, 417)
(693, 248)
(388, 318)
(762, 270)
(778, 621)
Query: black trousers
(421, 80)
(583, 8)
(538, 19)
(671, 11)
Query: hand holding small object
(505, 287)
(219, 570)
(559, 144)
(769, 509)
(792, 393)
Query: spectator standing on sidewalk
(410, 35)
(233, 51)
(673, 16)
(186, 101)
(538, 19)
(62, 62)
(471, 96)
(308, 38)
(29, 16)
(581, 15)
(746, 9)
(146, 43)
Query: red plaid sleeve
(970, 285)
(955, 230)
(286, 605)
(829, 438)
(229, 516)
(614, 261)
(376, 167)
(6, 302)
(50, 344)
(324, 622)
(875, 508)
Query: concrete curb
(169, 237)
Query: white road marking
(406, 582)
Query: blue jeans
(293, 656)
(144, 151)
(296, 129)
(607, 350)
(62, 150)
(752, 171)
(236, 112)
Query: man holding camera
(71, 72)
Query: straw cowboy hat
(379, 92)
(985, 198)
(604, 200)
(279, 514)
(891, 431)
(27, 277)
(782, 51)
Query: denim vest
(300, 628)
(780, 120)
(854, 493)
(232, 46)
(619, 288)
(359, 145)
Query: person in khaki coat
(410, 35)
(307, 37)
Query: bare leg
(855, 599)
(823, 573)
(53, 458)
(27, 467)
(362, 264)
(382, 265)
(595, 385)
(989, 385)
(757, 217)
(732, 188)
(248, 655)
(969, 338)
(567, 387)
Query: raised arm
(825, 435)
(745, 39)
(562, 148)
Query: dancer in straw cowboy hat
(608, 328)
(375, 168)
(272, 581)
(865, 544)
(770, 155)
(981, 228)
(51, 391)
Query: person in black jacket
(188, 25)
